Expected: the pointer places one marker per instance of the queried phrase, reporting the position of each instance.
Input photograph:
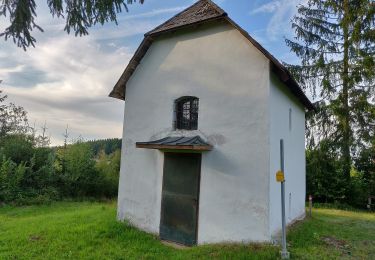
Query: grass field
(68, 230)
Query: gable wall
(231, 78)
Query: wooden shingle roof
(201, 12)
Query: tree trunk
(345, 96)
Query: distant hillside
(107, 145)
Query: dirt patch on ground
(35, 238)
(339, 244)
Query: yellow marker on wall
(280, 176)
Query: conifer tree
(79, 16)
(335, 40)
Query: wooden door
(180, 198)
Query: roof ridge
(199, 14)
(214, 5)
(190, 16)
(170, 19)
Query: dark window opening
(187, 113)
(290, 119)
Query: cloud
(282, 11)
(81, 75)
(14, 69)
(125, 29)
(155, 12)
(66, 80)
(267, 8)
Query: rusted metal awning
(194, 143)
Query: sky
(65, 80)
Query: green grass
(88, 230)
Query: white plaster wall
(139, 182)
(281, 101)
(231, 78)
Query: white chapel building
(205, 109)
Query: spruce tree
(335, 40)
(79, 16)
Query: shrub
(19, 148)
(79, 176)
(109, 169)
(324, 175)
(11, 177)
(325, 179)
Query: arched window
(186, 113)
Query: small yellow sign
(280, 176)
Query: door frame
(198, 193)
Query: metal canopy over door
(180, 198)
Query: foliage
(336, 44)
(42, 139)
(27, 172)
(13, 119)
(327, 183)
(324, 178)
(31, 172)
(365, 164)
(79, 16)
(18, 148)
(109, 146)
(359, 190)
(109, 168)
(79, 177)
(11, 176)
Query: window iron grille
(187, 113)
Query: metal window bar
(187, 113)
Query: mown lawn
(85, 230)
